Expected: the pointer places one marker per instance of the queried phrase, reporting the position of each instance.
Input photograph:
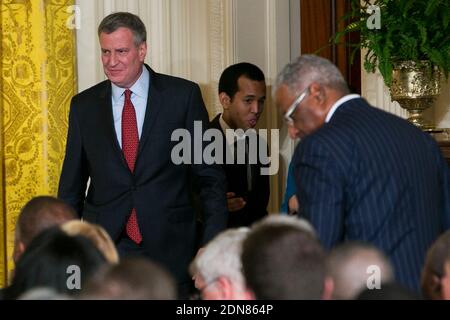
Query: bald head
(350, 265)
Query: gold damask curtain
(37, 63)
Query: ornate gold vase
(415, 86)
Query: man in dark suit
(242, 93)
(361, 173)
(120, 137)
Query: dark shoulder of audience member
(388, 291)
(131, 279)
(284, 262)
(46, 260)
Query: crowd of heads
(280, 258)
(58, 256)
(277, 258)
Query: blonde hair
(96, 234)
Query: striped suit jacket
(371, 176)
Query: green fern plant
(414, 30)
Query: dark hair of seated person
(46, 260)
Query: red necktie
(130, 143)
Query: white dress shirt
(139, 96)
(230, 142)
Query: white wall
(442, 106)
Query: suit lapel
(106, 105)
(154, 106)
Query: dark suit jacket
(257, 199)
(159, 190)
(371, 176)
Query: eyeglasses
(293, 106)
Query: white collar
(226, 127)
(139, 88)
(338, 103)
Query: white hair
(222, 257)
(307, 69)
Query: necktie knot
(127, 94)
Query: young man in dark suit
(120, 138)
(362, 173)
(242, 93)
